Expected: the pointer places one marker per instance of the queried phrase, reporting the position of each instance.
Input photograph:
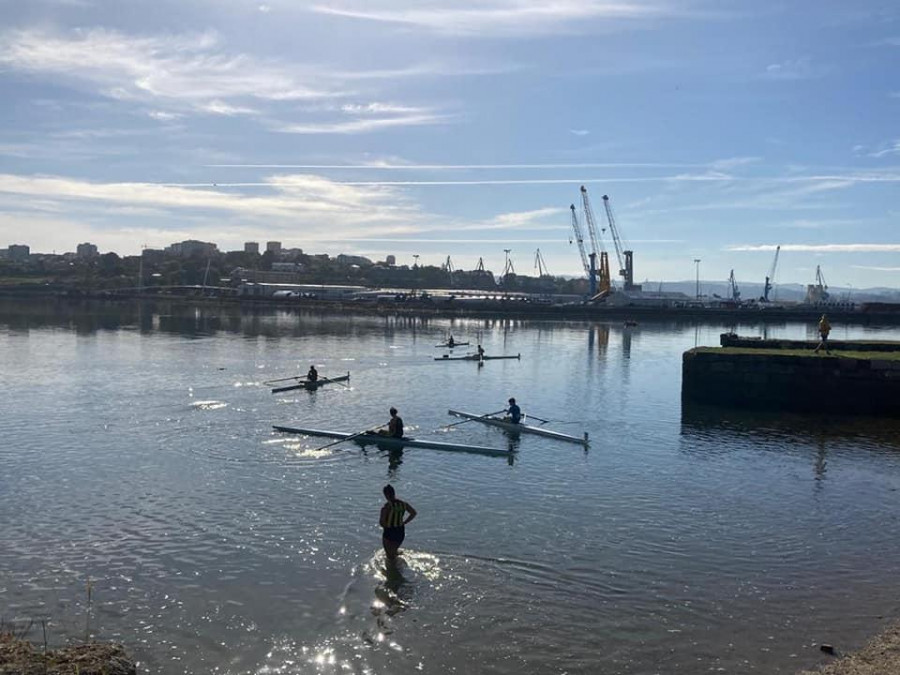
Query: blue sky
(718, 129)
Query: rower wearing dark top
(480, 352)
(451, 342)
(514, 412)
(313, 374)
(395, 426)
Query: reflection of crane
(732, 284)
(540, 265)
(579, 239)
(625, 256)
(770, 279)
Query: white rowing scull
(306, 384)
(405, 442)
(522, 428)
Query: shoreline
(495, 309)
(879, 656)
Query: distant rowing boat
(474, 357)
(447, 345)
(522, 428)
(405, 442)
(306, 384)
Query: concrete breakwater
(734, 340)
(866, 381)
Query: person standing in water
(395, 514)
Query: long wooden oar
(472, 419)
(351, 437)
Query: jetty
(788, 375)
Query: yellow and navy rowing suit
(394, 530)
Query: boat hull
(375, 439)
(311, 386)
(446, 345)
(475, 357)
(522, 428)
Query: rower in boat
(514, 412)
(312, 375)
(395, 426)
(480, 352)
(451, 342)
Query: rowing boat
(474, 357)
(522, 428)
(311, 386)
(405, 442)
(447, 345)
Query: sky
(718, 129)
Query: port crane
(817, 292)
(770, 279)
(448, 268)
(732, 285)
(624, 256)
(601, 283)
(579, 239)
(540, 265)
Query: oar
(285, 379)
(472, 419)
(542, 421)
(351, 437)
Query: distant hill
(783, 292)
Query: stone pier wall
(801, 383)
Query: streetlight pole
(697, 263)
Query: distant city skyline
(720, 130)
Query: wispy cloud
(890, 148)
(734, 162)
(364, 124)
(820, 248)
(795, 69)
(512, 18)
(579, 132)
(379, 164)
(876, 269)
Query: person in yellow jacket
(824, 330)
(395, 514)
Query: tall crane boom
(540, 265)
(614, 232)
(579, 239)
(596, 244)
(770, 279)
(624, 255)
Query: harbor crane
(770, 279)
(540, 265)
(818, 292)
(732, 285)
(508, 267)
(601, 283)
(624, 256)
(579, 239)
(448, 268)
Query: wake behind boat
(474, 357)
(522, 428)
(311, 385)
(405, 442)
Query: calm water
(138, 456)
